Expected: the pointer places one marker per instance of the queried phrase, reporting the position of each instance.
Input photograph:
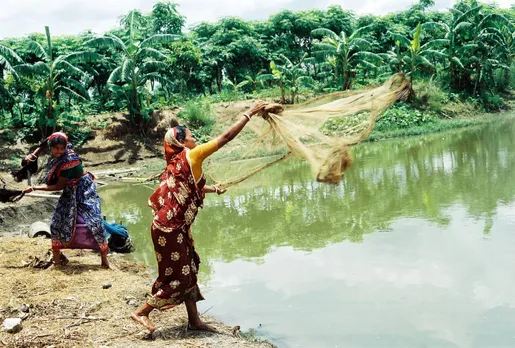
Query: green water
(415, 248)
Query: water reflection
(275, 248)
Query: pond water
(415, 248)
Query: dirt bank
(70, 307)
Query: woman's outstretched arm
(236, 128)
(61, 183)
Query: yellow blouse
(199, 154)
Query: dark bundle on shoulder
(27, 167)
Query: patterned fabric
(175, 205)
(178, 265)
(66, 161)
(177, 199)
(79, 197)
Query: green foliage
(493, 102)
(459, 60)
(137, 69)
(197, 115)
(288, 76)
(402, 115)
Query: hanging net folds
(320, 131)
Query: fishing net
(319, 132)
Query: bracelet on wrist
(247, 116)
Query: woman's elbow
(58, 187)
(226, 138)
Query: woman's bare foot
(106, 265)
(105, 262)
(56, 258)
(144, 320)
(199, 325)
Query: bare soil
(69, 307)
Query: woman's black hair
(180, 134)
(57, 141)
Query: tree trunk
(49, 112)
(219, 78)
(99, 88)
(345, 76)
(346, 80)
(283, 93)
(478, 72)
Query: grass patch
(197, 115)
(436, 125)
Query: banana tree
(489, 50)
(463, 19)
(411, 54)
(347, 52)
(236, 86)
(8, 59)
(139, 63)
(276, 76)
(289, 75)
(57, 75)
(253, 81)
(509, 39)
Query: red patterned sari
(175, 204)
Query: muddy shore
(69, 307)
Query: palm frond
(305, 80)
(127, 69)
(359, 31)
(326, 33)
(433, 54)
(436, 42)
(374, 57)
(77, 86)
(435, 25)
(116, 75)
(153, 65)
(72, 92)
(38, 50)
(155, 77)
(463, 26)
(265, 77)
(424, 61)
(368, 64)
(472, 11)
(9, 55)
(112, 41)
(458, 62)
(83, 56)
(494, 19)
(149, 52)
(69, 68)
(403, 40)
(159, 39)
(324, 48)
(360, 43)
(242, 84)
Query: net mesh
(320, 132)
